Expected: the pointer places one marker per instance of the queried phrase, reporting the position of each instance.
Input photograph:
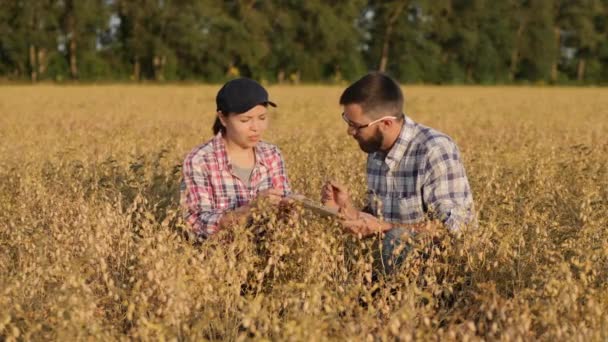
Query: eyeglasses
(357, 127)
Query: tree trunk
(163, 63)
(156, 66)
(135, 46)
(21, 69)
(32, 51)
(515, 51)
(554, 71)
(73, 58)
(33, 64)
(72, 34)
(159, 67)
(580, 70)
(136, 69)
(385, 45)
(42, 61)
(388, 33)
(295, 77)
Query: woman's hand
(284, 205)
(272, 196)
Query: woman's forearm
(237, 216)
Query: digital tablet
(311, 205)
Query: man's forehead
(353, 110)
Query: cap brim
(271, 103)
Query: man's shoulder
(428, 139)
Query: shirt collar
(221, 154)
(398, 149)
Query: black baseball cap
(240, 95)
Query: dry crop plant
(92, 245)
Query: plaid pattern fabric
(420, 176)
(210, 187)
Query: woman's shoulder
(202, 152)
(268, 148)
(270, 153)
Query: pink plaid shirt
(210, 187)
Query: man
(414, 172)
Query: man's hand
(335, 195)
(365, 225)
(327, 196)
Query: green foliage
(58, 68)
(93, 67)
(417, 41)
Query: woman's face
(246, 129)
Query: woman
(224, 177)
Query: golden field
(92, 245)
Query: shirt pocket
(264, 184)
(410, 209)
(375, 203)
(223, 203)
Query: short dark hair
(376, 93)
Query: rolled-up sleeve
(197, 200)
(446, 189)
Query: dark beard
(373, 144)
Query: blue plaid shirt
(421, 177)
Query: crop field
(93, 246)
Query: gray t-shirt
(243, 173)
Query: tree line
(416, 41)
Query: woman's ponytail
(217, 126)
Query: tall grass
(92, 244)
